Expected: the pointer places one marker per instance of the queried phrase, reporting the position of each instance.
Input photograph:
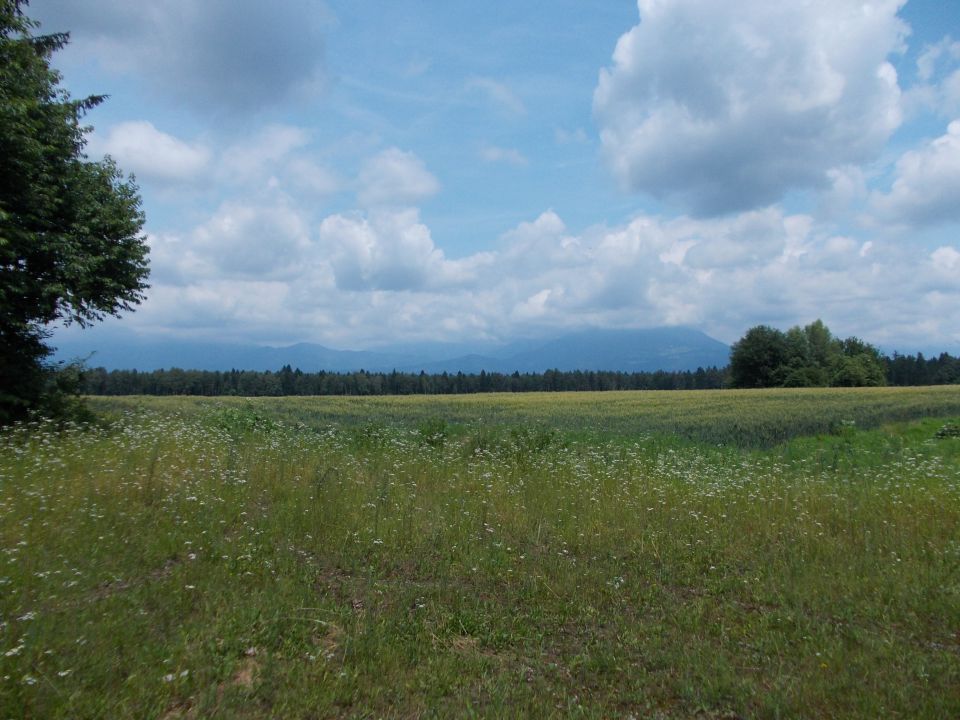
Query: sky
(357, 173)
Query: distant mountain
(134, 353)
(669, 348)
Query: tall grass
(220, 559)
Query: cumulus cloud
(946, 257)
(240, 240)
(933, 55)
(276, 156)
(152, 155)
(226, 309)
(927, 185)
(749, 240)
(264, 242)
(308, 176)
(395, 177)
(938, 75)
(848, 188)
(724, 108)
(655, 271)
(354, 279)
(542, 243)
(390, 250)
(262, 153)
(221, 56)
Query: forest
(900, 370)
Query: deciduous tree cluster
(804, 357)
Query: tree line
(918, 370)
(289, 381)
(903, 370)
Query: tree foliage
(900, 370)
(71, 248)
(288, 381)
(757, 359)
(807, 356)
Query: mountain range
(646, 350)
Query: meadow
(762, 554)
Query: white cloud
(946, 258)
(725, 107)
(939, 278)
(152, 155)
(225, 309)
(510, 156)
(933, 55)
(950, 92)
(938, 74)
(277, 156)
(240, 240)
(499, 94)
(395, 177)
(174, 263)
(358, 279)
(536, 306)
(749, 240)
(308, 176)
(848, 188)
(723, 275)
(390, 250)
(544, 243)
(262, 153)
(927, 185)
(261, 242)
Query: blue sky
(355, 173)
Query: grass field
(775, 554)
(744, 418)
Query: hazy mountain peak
(627, 350)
